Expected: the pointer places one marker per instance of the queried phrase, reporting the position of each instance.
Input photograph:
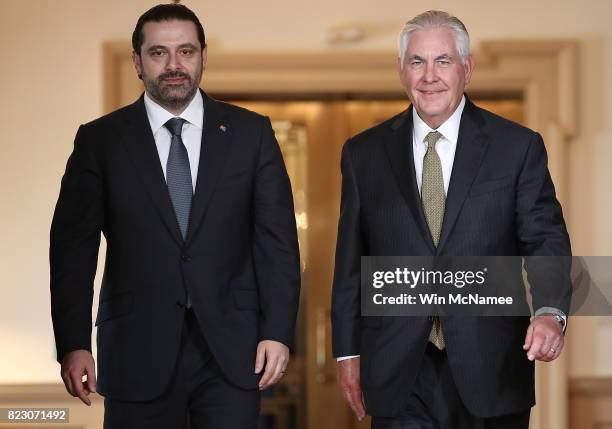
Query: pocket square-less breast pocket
(234, 177)
(490, 186)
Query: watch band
(556, 313)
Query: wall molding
(590, 400)
(37, 392)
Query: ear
(204, 57)
(469, 68)
(137, 64)
(400, 72)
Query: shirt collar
(449, 129)
(158, 116)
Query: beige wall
(51, 81)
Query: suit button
(185, 258)
(180, 304)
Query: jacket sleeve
(542, 235)
(346, 294)
(74, 243)
(275, 245)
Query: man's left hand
(544, 340)
(275, 356)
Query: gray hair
(435, 19)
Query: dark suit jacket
(239, 262)
(501, 201)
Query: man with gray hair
(444, 178)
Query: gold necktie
(432, 187)
(433, 200)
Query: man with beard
(201, 282)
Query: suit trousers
(198, 396)
(435, 403)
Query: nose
(173, 62)
(430, 72)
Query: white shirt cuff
(346, 357)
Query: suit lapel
(135, 131)
(398, 145)
(471, 147)
(216, 145)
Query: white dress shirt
(446, 145)
(191, 134)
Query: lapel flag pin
(223, 128)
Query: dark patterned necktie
(433, 200)
(178, 175)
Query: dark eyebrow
(155, 48)
(165, 48)
(188, 45)
(444, 57)
(415, 57)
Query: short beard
(173, 98)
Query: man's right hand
(350, 384)
(75, 365)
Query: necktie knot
(175, 126)
(432, 138)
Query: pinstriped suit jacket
(501, 201)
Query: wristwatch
(562, 321)
(556, 313)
